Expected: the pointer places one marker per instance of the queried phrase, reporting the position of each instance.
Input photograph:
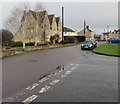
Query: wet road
(86, 78)
(22, 70)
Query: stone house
(69, 32)
(59, 28)
(35, 27)
(89, 34)
(114, 34)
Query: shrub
(5, 37)
(30, 44)
(64, 42)
(80, 38)
(71, 39)
(17, 44)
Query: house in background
(69, 32)
(36, 27)
(88, 33)
(114, 34)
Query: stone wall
(7, 52)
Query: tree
(39, 7)
(14, 21)
(6, 36)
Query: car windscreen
(87, 42)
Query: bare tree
(39, 7)
(14, 21)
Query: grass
(19, 48)
(108, 48)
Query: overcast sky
(97, 14)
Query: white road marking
(68, 72)
(54, 82)
(43, 79)
(30, 99)
(32, 87)
(73, 68)
(60, 70)
(63, 76)
(77, 64)
(44, 89)
(55, 73)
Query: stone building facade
(69, 32)
(89, 34)
(36, 27)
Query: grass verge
(108, 49)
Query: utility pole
(62, 24)
(84, 26)
(107, 28)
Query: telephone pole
(62, 24)
(84, 26)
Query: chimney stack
(87, 27)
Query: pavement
(86, 78)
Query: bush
(64, 42)
(30, 44)
(17, 44)
(71, 39)
(80, 38)
(5, 37)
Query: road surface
(22, 70)
(86, 77)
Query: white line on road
(68, 72)
(44, 89)
(73, 68)
(43, 79)
(54, 82)
(32, 87)
(30, 99)
(63, 76)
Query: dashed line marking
(30, 99)
(68, 72)
(44, 89)
(73, 68)
(54, 82)
(63, 76)
(32, 87)
(77, 64)
(43, 79)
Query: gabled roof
(57, 20)
(68, 30)
(51, 18)
(39, 16)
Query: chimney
(87, 27)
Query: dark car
(87, 45)
(94, 42)
(114, 40)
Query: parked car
(114, 40)
(94, 42)
(88, 45)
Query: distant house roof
(57, 20)
(51, 18)
(68, 30)
(105, 33)
(117, 31)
